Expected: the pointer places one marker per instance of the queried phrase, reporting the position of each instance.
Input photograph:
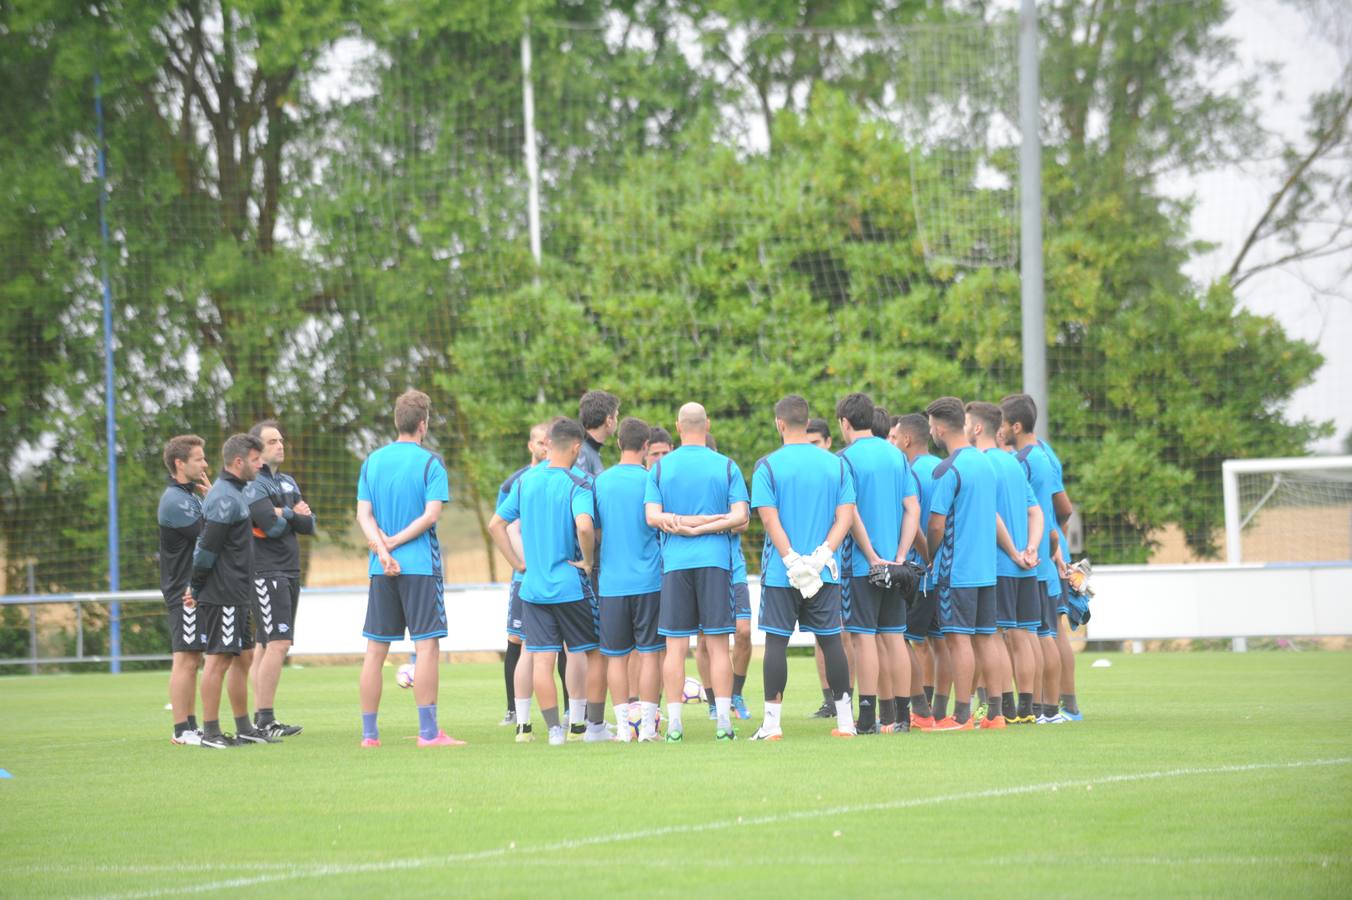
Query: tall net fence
(728, 214)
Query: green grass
(1186, 778)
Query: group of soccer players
(230, 576)
(617, 569)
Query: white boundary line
(337, 869)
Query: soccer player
(696, 496)
(1019, 531)
(279, 513)
(400, 492)
(1070, 708)
(1018, 418)
(222, 583)
(819, 433)
(180, 521)
(962, 535)
(910, 434)
(805, 499)
(600, 415)
(882, 423)
(659, 445)
(886, 520)
(630, 581)
(557, 508)
(537, 445)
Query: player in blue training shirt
(538, 447)
(630, 581)
(1019, 531)
(557, 509)
(805, 499)
(929, 656)
(1070, 708)
(887, 516)
(696, 496)
(1018, 418)
(962, 532)
(400, 493)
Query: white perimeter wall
(1131, 602)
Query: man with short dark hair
(557, 510)
(659, 445)
(882, 422)
(400, 493)
(180, 522)
(599, 412)
(697, 497)
(805, 500)
(962, 538)
(537, 445)
(279, 513)
(630, 582)
(222, 584)
(886, 521)
(819, 433)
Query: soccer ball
(692, 692)
(403, 676)
(635, 723)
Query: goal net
(1289, 510)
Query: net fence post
(1030, 220)
(110, 401)
(532, 159)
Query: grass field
(1192, 774)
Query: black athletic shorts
(187, 631)
(552, 626)
(1063, 602)
(922, 619)
(224, 628)
(515, 615)
(399, 603)
(782, 608)
(1047, 611)
(1028, 604)
(741, 599)
(1007, 601)
(967, 610)
(276, 597)
(870, 609)
(630, 623)
(696, 600)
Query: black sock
(242, 724)
(1007, 703)
(179, 728)
(962, 711)
(211, 726)
(929, 693)
(775, 667)
(940, 706)
(509, 661)
(867, 707)
(1068, 701)
(903, 710)
(633, 699)
(523, 728)
(551, 717)
(826, 696)
(738, 682)
(192, 723)
(264, 716)
(995, 707)
(709, 695)
(981, 696)
(578, 728)
(921, 705)
(596, 712)
(1025, 705)
(887, 711)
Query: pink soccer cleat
(441, 740)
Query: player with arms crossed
(222, 585)
(697, 497)
(279, 513)
(805, 499)
(400, 493)
(180, 521)
(556, 507)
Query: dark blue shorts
(782, 608)
(1046, 611)
(552, 626)
(696, 600)
(630, 623)
(515, 616)
(870, 609)
(967, 610)
(1062, 606)
(1007, 598)
(397, 603)
(741, 598)
(922, 619)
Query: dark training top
(180, 518)
(276, 549)
(222, 567)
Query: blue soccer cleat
(739, 707)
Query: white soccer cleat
(190, 738)
(768, 734)
(557, 736)
(598, 733)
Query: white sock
(724, 707)
(772, 716)
(649, 722)
(845, 714)
(622, 730)
(674, 717)
(577, 712)
(523, 710)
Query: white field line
(325, 870)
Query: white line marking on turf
(321, 870)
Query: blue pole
(109, 400)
